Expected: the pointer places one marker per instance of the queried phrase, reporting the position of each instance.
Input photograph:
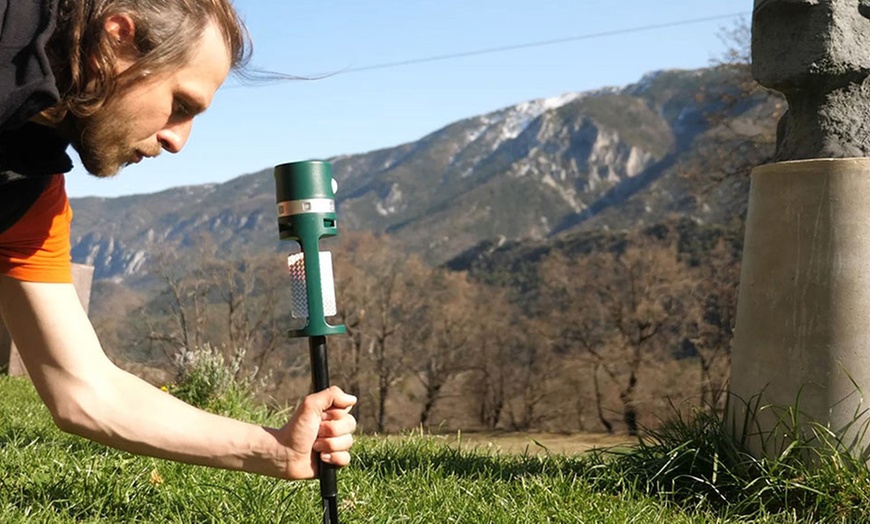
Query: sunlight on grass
(688, 471)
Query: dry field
(534, 443)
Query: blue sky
(354, 109)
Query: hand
(321, 429)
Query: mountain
(614, 158)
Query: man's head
(133, 73)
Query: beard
(103, 143)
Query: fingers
(333, 444)
(335, 414)
(334, 450)
(334, 439)
(346, 424)
(339, 458)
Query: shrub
(208, 380)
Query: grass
(688, 471)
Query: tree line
(609, 340)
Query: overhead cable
(541, 43)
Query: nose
(173, 137)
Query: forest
(608, 337)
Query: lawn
(48, 476)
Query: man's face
(149, 115)
(794, 41)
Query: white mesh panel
(296, 266)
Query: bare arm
(89, 396)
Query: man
(120, 80)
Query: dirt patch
(536, 443)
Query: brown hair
(83, 56)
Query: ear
(121, 31)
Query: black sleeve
(17, 195)
(27, 83)
(29, 157)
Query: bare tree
(248, 288)
(712, 318)
(379, 305)
(530, 383)
(492, 363)
(578, 324)
(230, 304)
(490, 382)
(184, 301)
(448, 333)
(355, 301)
(615, 308)
(385, 330)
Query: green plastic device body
(306, 213)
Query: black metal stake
(326, 472)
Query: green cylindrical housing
(304, 188)
(306, 213)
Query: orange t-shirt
(37, 247)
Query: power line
(261, 78)
(541, 43)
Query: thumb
(332, 397)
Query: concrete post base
(10, 360)
(802, 339)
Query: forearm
(124, 412)
(90, 396)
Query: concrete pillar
(802, 336)
(10, 360)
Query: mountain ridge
(607, 158)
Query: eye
(864, 8)
(181, 109)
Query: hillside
(611, 159)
